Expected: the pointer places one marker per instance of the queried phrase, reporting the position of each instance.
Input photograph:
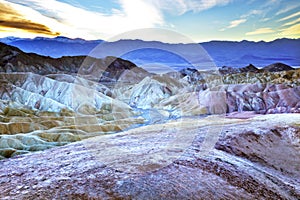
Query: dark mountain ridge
(13, 59)
(277, 67)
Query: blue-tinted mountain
(221, 53)
(260, 54)
(54, 47)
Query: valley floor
(215, 157)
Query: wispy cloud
(180, 7)
(200, 5)
(260, 31)
(234, 23)
(291, 31)
(243, 18)
(252, 13)
(292, 22)
(265, 19)
(290, 16)
(287, 9)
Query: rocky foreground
(209, 158)
(86, 128)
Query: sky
(198, 20)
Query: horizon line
(138, 39)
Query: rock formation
(261, 98)
(139, 135)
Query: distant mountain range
(53, 47)
(177, 56)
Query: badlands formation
(86, 128)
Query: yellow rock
(3, 129)
(6, 153)
(4, 119)
(47, 114)
(8, 111)
(49, 137)
(51, 124)
(66, 112)
(21, 119)
(68, 137)
(22, 127)
(86, 120)
(59, 137)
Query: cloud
(290, 16)
(12, 19)
(261, 31)
(141, 13)
(180, 7)
(287, 9)
(243, 18)
(234, 23)
(265, 19)
(292, 22)
(200, 5)
(291, 31)
(252, 13)
(75, 21)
